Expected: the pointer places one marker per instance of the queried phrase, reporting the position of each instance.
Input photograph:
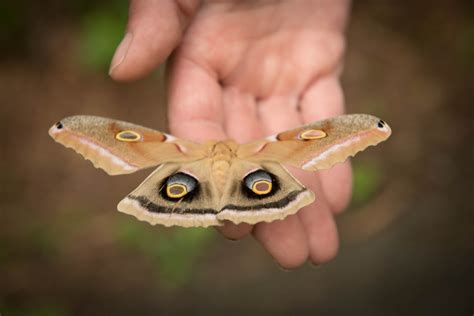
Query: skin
(245, 70)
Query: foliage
(366, 180)
(39, 310)
(100, 34)
(175, 251)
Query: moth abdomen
(221, 156)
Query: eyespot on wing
(312, 134)
(179, 185)
(259, 182)
(128, 136)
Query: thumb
(154, 29)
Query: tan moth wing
(149, 201)
(285, 197)
(208, 204)
(120, 147)
(321, 144)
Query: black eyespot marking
(179, 187)
(59, 125)
(380, 124)
(259, 184)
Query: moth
(206, 184)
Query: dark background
(407, 241)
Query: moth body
(206, 184)
(222, 154)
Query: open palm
(245, 70)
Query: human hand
(244, 70)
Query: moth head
(259, 184)
(179, 186)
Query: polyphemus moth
(206, 184)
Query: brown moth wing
(238, 206)
(149, 203)
(321, 144)
(119, 147)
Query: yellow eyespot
(259, 182)
(262, 187)
(176, 190)
(128, 136)
(313, 134)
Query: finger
(196, 113)
(336, 185)
(154, 29)
(241, 124)
(285, 240)
(318, 222)
(241, 118)
(235, 231)
(195, 109)
(324, 99)
(278, 113)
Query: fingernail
(314, 265)
(281, 267)
(121, 52)
(231, 239)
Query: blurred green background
(407, 241)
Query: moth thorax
(221, 155)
